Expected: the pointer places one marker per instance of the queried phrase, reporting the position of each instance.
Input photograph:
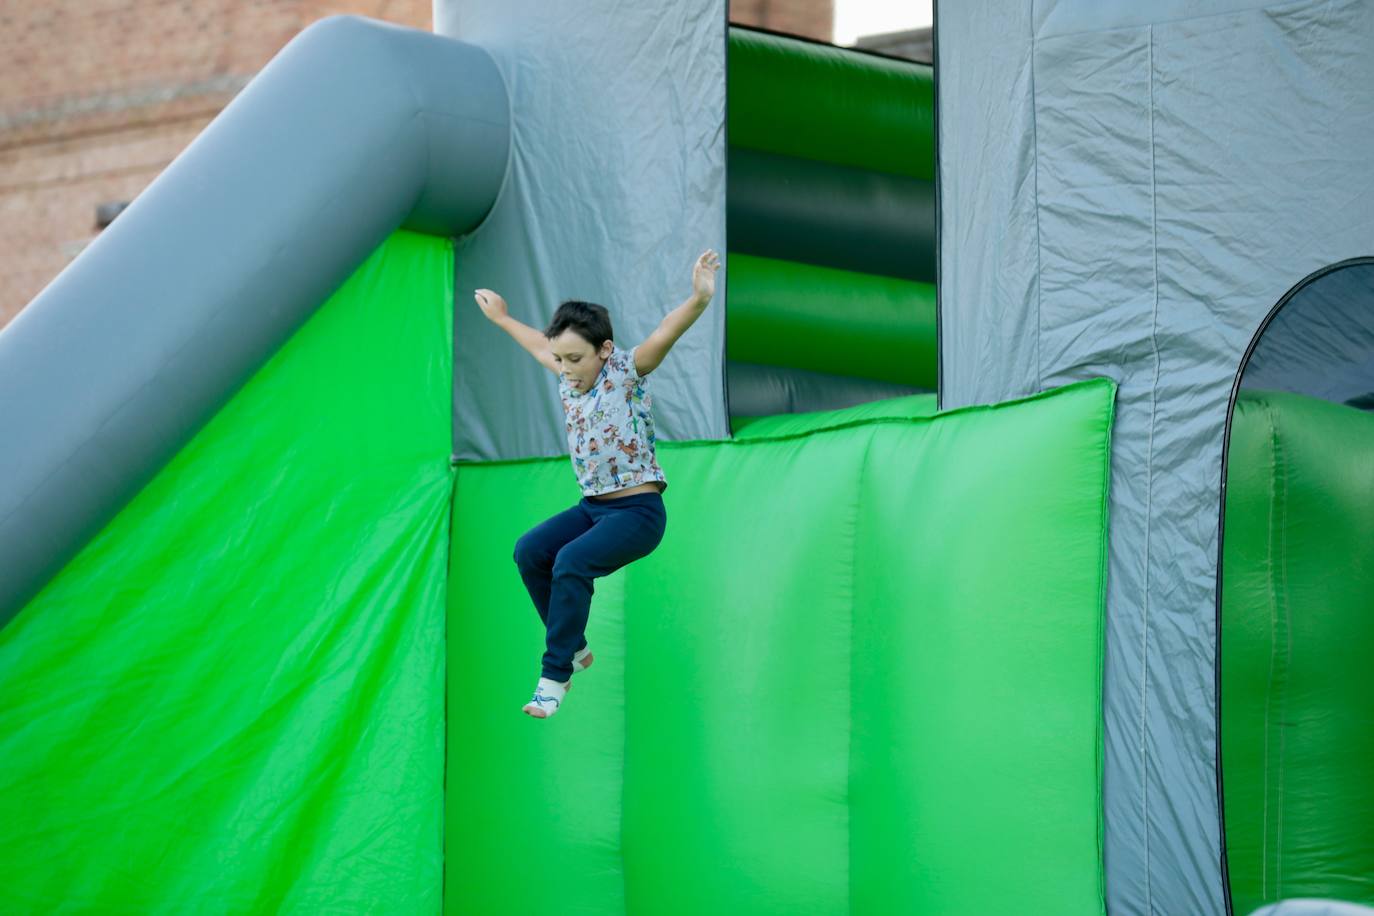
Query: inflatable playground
(1020, 544)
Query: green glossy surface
(1297, 636)
(231, 700)
(784, 313)
(861, 673)
(827, 103)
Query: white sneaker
(582, 659)
(548, 697)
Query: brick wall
(98, 96)
(810, 18)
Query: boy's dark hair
(588, 320)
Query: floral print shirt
(611, 428)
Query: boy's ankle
(548, 697)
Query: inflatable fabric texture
(1093, 221)
(616, 184)
(861, 673)
(1320, 342)
(829, 104)
(231, 700)
(1306, 906)
(1297, 634)
(834, 321)
(355, 128)
(831, 224)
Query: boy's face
(578, 360)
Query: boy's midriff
(628, 491)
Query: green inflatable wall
(862, 672)
(1297, 636)
(231, 700)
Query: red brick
(99, 96)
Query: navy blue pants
(559, 558)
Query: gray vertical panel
(987, 220)
(616, 184)
(1263, 124)
(1257, 126)
(1097, 297)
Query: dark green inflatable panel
(1297, 639)
(821, 102)
(231, 700)
(861, 673)
(783, 313)
(830, 215)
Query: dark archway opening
(1295, 600)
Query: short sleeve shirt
(611, 428)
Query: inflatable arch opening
(1295, 587)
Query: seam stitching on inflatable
(1149, 488)
(1284, 617)
(448, 568)
(1273, 628)
(1100, 738)
(1035, 194)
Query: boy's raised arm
(495, 308)
(656, 346)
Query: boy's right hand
(492, 305)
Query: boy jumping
(610, 429)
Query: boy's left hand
(704, 275)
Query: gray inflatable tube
(354, 129)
